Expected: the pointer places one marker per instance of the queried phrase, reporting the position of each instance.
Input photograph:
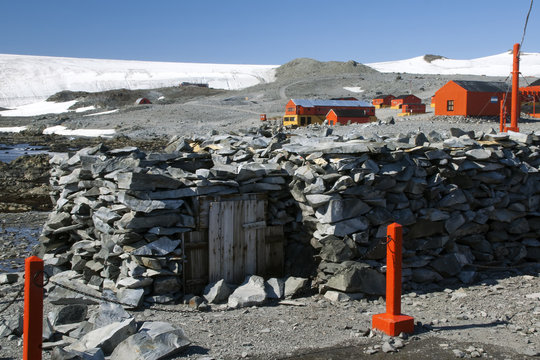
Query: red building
(302, 112)
(382, 101)
(141, 101)
(345, 117)
(398, 101)
(409, 109)
(471, 98)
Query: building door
(232, 240)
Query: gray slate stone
(358, 278)
(345, 227)
(146, 182)
(107, 337)
(217, 292)
(449, 264)
(250, 293)
(148, 206)
(154, 341)
(132, 298)
(59, 353)
(62, 296)
(335, 250)
(339, 210)
(68, 314)
(160, 247)
(275, 288)
(107, 314)
(295, 286)
(131, 221)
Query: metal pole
(515, 92)
(393, 269)
(33, 308)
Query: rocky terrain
(495, 314)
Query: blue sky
(266, 32)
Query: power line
(525, 27)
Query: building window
(450, 105)
(309, 120)
(291, 109)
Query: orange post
(33, 308)
(393, 322)
(516, 104)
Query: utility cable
(525, 27)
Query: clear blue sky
(266, 32)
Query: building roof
(535, 83)
(349, 112)
(330, 103)
(382, 96)
(483, 86)
(403, 96)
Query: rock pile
(462, 200)
(120, 215)
(468, 199)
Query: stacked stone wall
(463, 201)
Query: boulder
(275, 288)
(217, 292)
(155, 340)
(131, 298)
(160, 247)
(422, 275)
(295, 286)
(358, 278)
(107, 314)
(69, 314)
(449, 264)
(339, 210)
(107, 337)
(335, 250)
(59, 353)
(250, 293)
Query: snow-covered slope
(28, 79)
(495, 65)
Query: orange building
(382, 101)
(530, 99)
(471, 98)
(398, 101)
(302, 112)
(345, 117)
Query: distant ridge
(495, 65)
(306, 67)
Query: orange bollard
(393, 322)
(33, 308)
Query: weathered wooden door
(232, 240)
(236, 229)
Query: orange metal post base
(393, 325)
(393, 322)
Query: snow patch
(104, 112)
(39, 108)
(86, 108)
(62, 130)
(354, 89)
(15, 129)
